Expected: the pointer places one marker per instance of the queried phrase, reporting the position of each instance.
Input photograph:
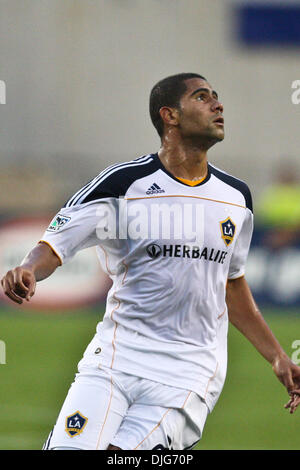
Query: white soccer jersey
(169, 249)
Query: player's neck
(184, 162)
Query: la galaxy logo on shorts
(75, 424)
(227, 230)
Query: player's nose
(218, 106)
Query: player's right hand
(294, 401)
(19, 284)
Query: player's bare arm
(246, 317)
(20, 282)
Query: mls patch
(75, 424)
(227, 230)
(58, 222)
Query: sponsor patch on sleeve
(58, 222)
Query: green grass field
(42, 351)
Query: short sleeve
(76, 228)
(90, 217)
(241, 249)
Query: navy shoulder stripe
(114, 180)
(235, 183)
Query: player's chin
(217, 132)
(220, 135)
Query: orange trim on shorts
(107, 411)
(55, 252)
(186, 399)
(157, 426)
(159, 423)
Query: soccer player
(173, 233)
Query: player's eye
(201, 97)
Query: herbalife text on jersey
(134, 219)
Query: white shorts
(105, 407)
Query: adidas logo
(155, 189)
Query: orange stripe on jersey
(181, 195)
(106, 260)
(221, 314)
(210, 379)
(235, 278)
(111, 316)
(115, 330)
(118, 303)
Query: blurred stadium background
(78, 75)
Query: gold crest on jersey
(75, 424)
(227, 230)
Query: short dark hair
(167, 92)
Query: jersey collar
(161, 166)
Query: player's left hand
(289, 375)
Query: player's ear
(169, 115)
